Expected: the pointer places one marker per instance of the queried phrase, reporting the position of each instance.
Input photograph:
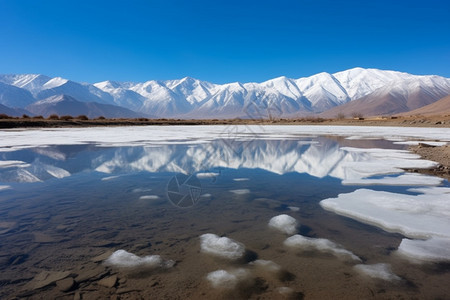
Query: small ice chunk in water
(322, 245)
(221, 246)
(379, 271)
(433, 249)
(267, 265)
(284, 223)
(123, 259)
(294, 208)
(404, 179)
(4, 187)
(207, 175)
(149, 197)
(240, 191)
(227, 279)
(241, 179)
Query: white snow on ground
(227, 279)
(433, 249)
(379, 271)
(405, 179)
(284, 223)
(124, 259)
(319, 244)
(221, 246)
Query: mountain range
(367, 92)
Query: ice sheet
(415, 216)
(433, 249)
(404, 179)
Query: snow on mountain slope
(66, 105)
(278, 97)
(14, 97)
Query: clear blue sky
(221, 41)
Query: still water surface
(69, 207)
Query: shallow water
(69, 204)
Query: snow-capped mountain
(279, 97)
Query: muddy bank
(438, 154)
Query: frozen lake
(204, 212)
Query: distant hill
(13, 112)
(66, 105)
(440, 107)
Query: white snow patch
(240, 191)
(323, 245)
(227, 279)
(124, 259)
(284, 223)
(416, 216)
(221, 246)
(433, 249)
(404, 179)
(379, 271)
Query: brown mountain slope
(392, 99)
(440, 107)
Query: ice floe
(149, 197)
(241, 179)
(124, 259)
(379, 271)
(207, 175)
(404, 179)
(4, 187)
(415, 143)
(284, 223)
(415, 216)
(323, 245)
(433, 249)
(13, 164)
(240, 191)
(227, 279)
(221, 246)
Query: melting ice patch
(319, 244)
(379, 271)
(221, 246)
(241, 179)
(227, 279)
(240, 191)
(404, 179)
(433, 249)
(207, 175)
(124, 259)
(149, 197)
(13, 164)
(284, 223)
(4, 187)
(416, 216)
(267, 265)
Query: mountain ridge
(284, 97)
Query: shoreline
(411, 121)
(439, 154)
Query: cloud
(221, 246)
(284, 223)
(322, 245)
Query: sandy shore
(438, 154)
